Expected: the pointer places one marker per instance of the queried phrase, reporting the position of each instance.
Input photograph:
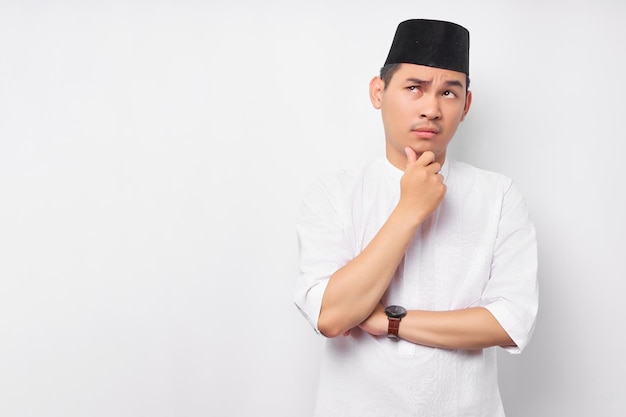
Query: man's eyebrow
(418, 81)
(451, 83)
(454, 83)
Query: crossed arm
(471, 328)
(352, 296)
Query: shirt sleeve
(512, 293)
(323, 248)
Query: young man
(417, 267)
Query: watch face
(395, 312)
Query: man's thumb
(411, 156)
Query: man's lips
(425, 132)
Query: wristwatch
(394, 314)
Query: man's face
(421, 108)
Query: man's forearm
(471, 328)
(354, 290)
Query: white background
(153, 155)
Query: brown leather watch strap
(394, 326)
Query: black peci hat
(433, 43)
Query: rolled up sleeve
(323, 248)
(512, 293)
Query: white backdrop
(153, 155)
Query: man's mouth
(425, 132)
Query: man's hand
(377, 323)
(421, 186)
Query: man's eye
(414, 88)
(449, 94)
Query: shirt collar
(396, 173)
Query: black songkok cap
(433, 43)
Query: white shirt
(477, 249)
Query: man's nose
(430, 107)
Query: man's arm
(508, 305)
(355, 290)
(471, 328)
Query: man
(417, 267)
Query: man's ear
(468, 103)
(377, 86)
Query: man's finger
(427, 158)
(411, 156)
(435, 167)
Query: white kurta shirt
(477, 249)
